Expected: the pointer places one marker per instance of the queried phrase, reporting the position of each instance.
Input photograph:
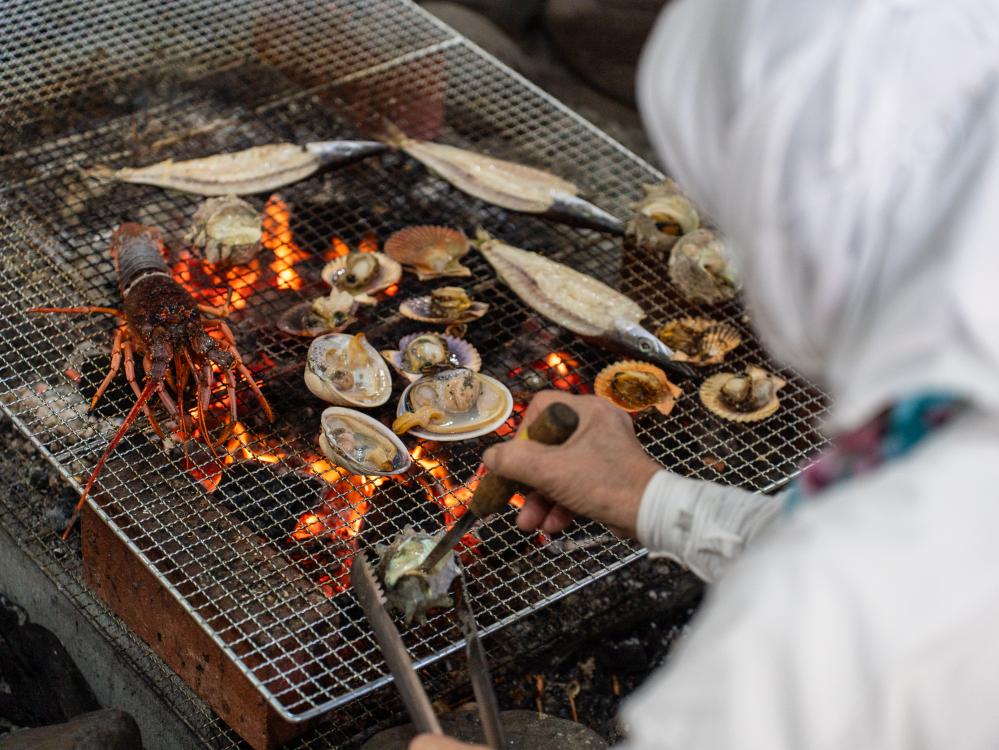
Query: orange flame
(216, 287)
(276, 236)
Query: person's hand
(437, 742)
(600, 472)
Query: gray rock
(108, 729)
(525, 730)
(603, 39)
(480, 30)
(512, 15)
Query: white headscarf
(854, 165)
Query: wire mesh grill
(133, 85)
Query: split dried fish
(258, 169)
(577, 302)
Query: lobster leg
(130, 377)
(229, 345)
(116, 349)
(78, 310)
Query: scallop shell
(418, 308)
(700, 341)
(389, 272)
(700, 267)
(453, 405)
(430, 251)
(662, 395)
(360, 444)
(407, 588)
(757, 378)
(322, 315)
(663, 216)
(347, 371)
(465, 355)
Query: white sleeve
(702, 525)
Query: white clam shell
(372, 380)
(468, 356)
(371, 432)
(479, 429)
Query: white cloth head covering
(854, 165)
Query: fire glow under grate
(256, 542)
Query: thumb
(522, 461)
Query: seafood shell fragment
(748, 397)
(636, 386)
(700, 267)
(254, 170)
(429, 251)
(420, 353)
(700, 341)
(227, 229)
(330, 314)
(446, 304)
(346, 370)
(663, 216)
(362, 274)
(453, 405)
(360, 444)
(407, 588)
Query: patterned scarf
(890, 435)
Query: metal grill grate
(133, 85)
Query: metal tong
(372, 599)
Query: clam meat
(636, 386)
(661, 217)
(422, 353)
(453, 405)
(346, 370)
(362, 274)
(360, 444)
(700, 267)
(329, 314)
(408, 589)
(429, 251)
(227, 230)
(699, 341)
(446, 304)
(747, 397)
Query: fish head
(633, 340)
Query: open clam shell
(453, 405)
(417, 348)
(430, 251)
(362, 274)
(330, 314)
(360, 444)
(636, 386)
(347, 371)
(699, 341)
(663, 216)
(424, 310)
(742, 397)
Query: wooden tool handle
(553, 426)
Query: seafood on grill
(360, 444)
(577, 302)
(258, 169)
(346, 370)
(636, 386)
(453, 405)
(700, 267)
(663, 216)
(446, 304)
(227, 229)
(422, 353)
(329, 314)
(408, 589)
(362, 274)
(507, 184)
(429, 251)
(746, 397)
(699, 341)
(162, 323)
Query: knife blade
(478, 671)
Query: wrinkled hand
(437, 742)
(600, 472)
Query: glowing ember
(559, 368)
(222, 289)
(276, 236)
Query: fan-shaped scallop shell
(419, 308)
(389, 272)
(429, 251)
(656, 390)
(465, 355)
(713, 398)
(700, 341)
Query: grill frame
(359, 87)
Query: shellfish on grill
(700, 341)
(348, 371)
(700, 267)
(421, 353)
(446, 304)
(636, 386)
(453, 405)
(573, 300)
(429, 251)
(408, 589)
(227, 230)
(747, 397)
(330, 314)
(360, 444)
(663, 216)
(362, 274)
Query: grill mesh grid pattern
(240, 80)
